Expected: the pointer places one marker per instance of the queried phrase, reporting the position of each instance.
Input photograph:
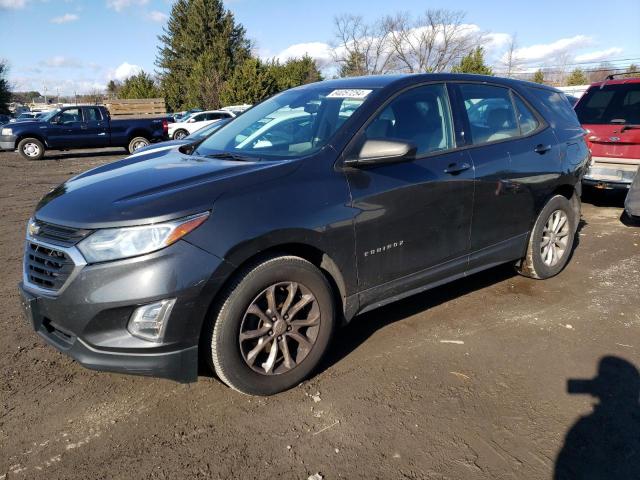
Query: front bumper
(88, 318)
(8, 142)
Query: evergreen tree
(354, 66)
(295, 72)
(251, 82)
(632, 68)
(113, 88)
(201, 47)
(538, 77)
(577, 77)
(473, 62)
(5, 94)
(141, 85)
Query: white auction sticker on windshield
(349, 93)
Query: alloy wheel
(279, 328)
(555, 238)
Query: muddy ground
(468, 381)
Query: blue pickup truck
(74, 127)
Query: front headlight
(115, 243)
(7, 131)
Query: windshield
(49, 115)
(292, 124)
(610, 104)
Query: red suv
(610, 112)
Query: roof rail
(613, 75)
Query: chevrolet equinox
(249, 248)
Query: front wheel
(31, 149)
(137, 143)
(551, 240)
(272, 327)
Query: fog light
(150, 321)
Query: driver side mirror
(380, 152)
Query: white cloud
(156, 16)
(599, 55)
(124, 71)
(12, 4)
(119, 5)
(59, 61)
(321, 52)
(66, 18)
(544, 52)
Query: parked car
(187, 113)
(250, 254)
(632, 201)
(80, 127)
(197, 136)
(572, 99)
(610, 113)
(26, 116)
(184, 127)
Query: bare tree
(434, 42)
(431, 43)
(601, 72)
(363, 48)
(510, 59)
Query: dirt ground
(468, 381)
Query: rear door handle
(542, 149)
(454, 168)
(84, 127)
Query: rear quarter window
(556, 109)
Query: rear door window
(92, 114)
(617, 103)
(526, 118)
(490, 112)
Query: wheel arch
(138, 132)
(22, 136)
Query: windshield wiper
(230, 156)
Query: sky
(76, 46)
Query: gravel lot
(468, 381)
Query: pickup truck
(74, 127)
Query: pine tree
(251, 82)
(473, 62)
(141, 85)
(201, 41)
(5, 94)
(538, 77)
(295, 72)
(577, 77)
(354, 66)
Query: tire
(136, 143)
(31, 149)
(539, 262)
(180, 134)
(230, 357)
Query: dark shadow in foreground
(606, 443)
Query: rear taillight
(165, 126)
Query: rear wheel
(273, 326)
(137, 143)
(31, 149)
(551, 240)
(180, 134)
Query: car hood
(24, 123)
(155, 187)
(157, 147)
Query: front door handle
(84, 127)
(455, 168)
(542, 149)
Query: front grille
(58, 234)
(47, 267)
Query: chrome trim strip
(73, 253)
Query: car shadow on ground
(604, 198)
(606, 443)
(75, 154)
(349, 337)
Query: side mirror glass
(379, 152)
